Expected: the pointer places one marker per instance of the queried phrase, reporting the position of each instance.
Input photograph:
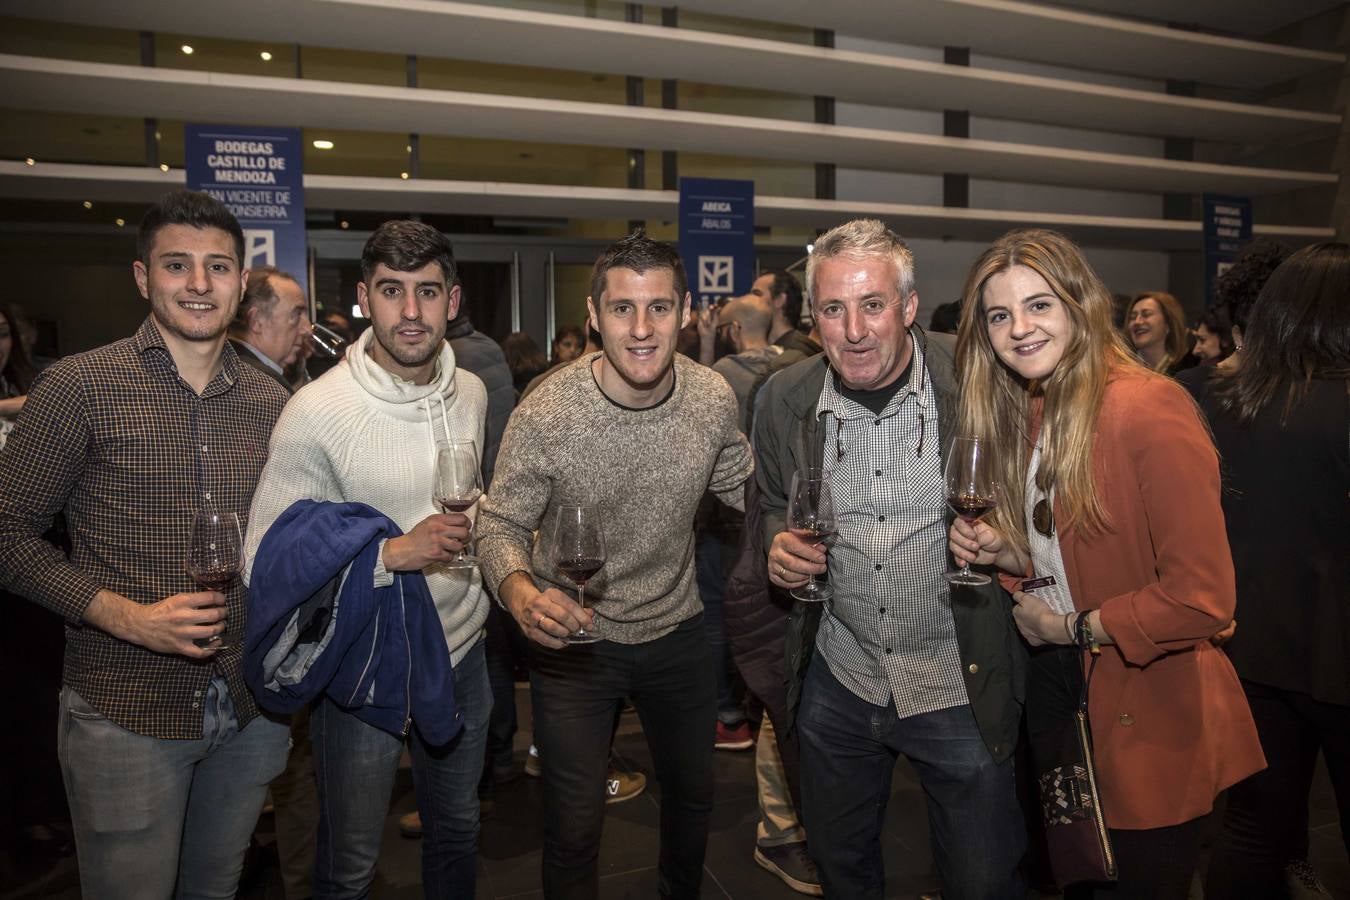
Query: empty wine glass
(215, 556)
(811, 518)
(579, 552)
(972, 492)
(327, 342)
(458, 485)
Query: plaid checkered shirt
(888, 633)
(116, 439)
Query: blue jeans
(849, 750)
(150, 813)
(356, 765)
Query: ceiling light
(266, 56)
(120, 222)
(403, 175)
(88, 204)
(164, 167)
(344, 224)
(187, 49)
(323, 145)
(408, 148)
(30, 161)
(810, 248)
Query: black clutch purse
(1075, 829)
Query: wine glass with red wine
(458, 485)
(811, 518)
(579, 552)
(215, 556)
(972, 492)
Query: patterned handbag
(1075, 828)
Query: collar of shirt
(839, 406)
(266, 360)
(149, 343)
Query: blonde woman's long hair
(997, 403)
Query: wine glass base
(582, 636)
(462, 562)
(211, 643)
(970, 579)
(815, 592)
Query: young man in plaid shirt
(164, 754)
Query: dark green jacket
(788, 436)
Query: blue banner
(1228, 228)
(717, 237)
(257, 173)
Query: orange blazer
(1170, 723)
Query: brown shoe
(621, 786)
(410, 825)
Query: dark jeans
(712, 558)
(505, 646)
(1265, 825)
(849, 749)
(575, 693)
(1151, 863)
(356, 765)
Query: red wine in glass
(810, 516)
(972, 492)
(214, 559)
(458, 486)
(578, 553)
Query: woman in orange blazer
(1109, 483)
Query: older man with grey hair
(898, 662)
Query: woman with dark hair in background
(1281, 418)
(1156, 327)
(523, 358)
(568, 343)
(1212, 337)
(16, 371)
(1109, 486)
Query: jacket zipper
(407, 643)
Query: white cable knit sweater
(362, 434)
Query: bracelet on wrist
(1086, 640)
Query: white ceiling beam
(98, 88)
(108, 184)
(468, 31)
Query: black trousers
(1151, 863)
(1265, 825)
(575, 693)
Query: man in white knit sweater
(639, 434)
(367, 431)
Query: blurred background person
(569, 343)
(1280, 417)
(524, 358)
(945, 318)
(1212, 337)
(16, 371)
(1237, 289)
(1156, 328)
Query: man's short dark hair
(259, 293)
(945, 318)
(406, 246)
(784, 283)
(195, 208)
(641, 254)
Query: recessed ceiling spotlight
(323, 145)
(403, 175)
(164, 167)
(120, 222)
(344, 224)
(88, 204)
(29, 161)
(187, 49)
(266, 56)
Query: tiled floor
(510, 847)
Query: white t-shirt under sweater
(362, 434)
(644, 469)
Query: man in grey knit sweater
(639, 434)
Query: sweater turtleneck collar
(385, 386)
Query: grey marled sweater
(646, 471)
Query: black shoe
(792, 864)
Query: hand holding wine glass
(579, 552)
(972, 492)
(810, 516)
(215, 556)
(457, 487)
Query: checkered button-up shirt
(116, 439)
(888, 633)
